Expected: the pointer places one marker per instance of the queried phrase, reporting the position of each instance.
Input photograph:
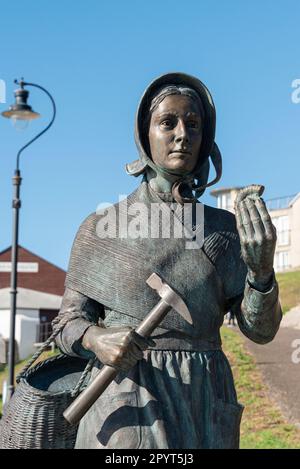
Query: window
(283, 232)
(281, 261)
(224, 201)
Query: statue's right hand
(119, 347)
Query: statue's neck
(159, 183)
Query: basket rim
(23, 378)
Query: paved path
(279, 370)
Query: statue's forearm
(80, 313)
(260, 313)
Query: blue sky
(96, 58)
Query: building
(226, 197)
(285, 214)
(40, 291)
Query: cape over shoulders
(216, 220)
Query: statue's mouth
(180, 152)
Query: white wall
(26, 325)
(283, 258)
(295, 233)
(4, 322)
(25, 333)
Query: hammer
(169, 299)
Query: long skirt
(170, 399)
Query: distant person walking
(231, 319)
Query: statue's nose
(181, 134)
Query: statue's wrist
(260, 281)
(88, 340)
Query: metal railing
(280, 203)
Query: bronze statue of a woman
(176, 389)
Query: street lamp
(19, 112)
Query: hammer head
(169, 296)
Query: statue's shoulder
(88, 223)
(107, 212)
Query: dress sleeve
(258, 313)
(78, 312)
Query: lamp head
(20, 112)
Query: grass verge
(263, 426)
(289, 289)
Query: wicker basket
(33, 417)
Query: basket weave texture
(33, 417)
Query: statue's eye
(193, 124)
(166, 123)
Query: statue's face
(175, 133)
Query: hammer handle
(153, 319)
(86, 399)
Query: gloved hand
(119, 347)
(257, 235)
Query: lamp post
(20, 112)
